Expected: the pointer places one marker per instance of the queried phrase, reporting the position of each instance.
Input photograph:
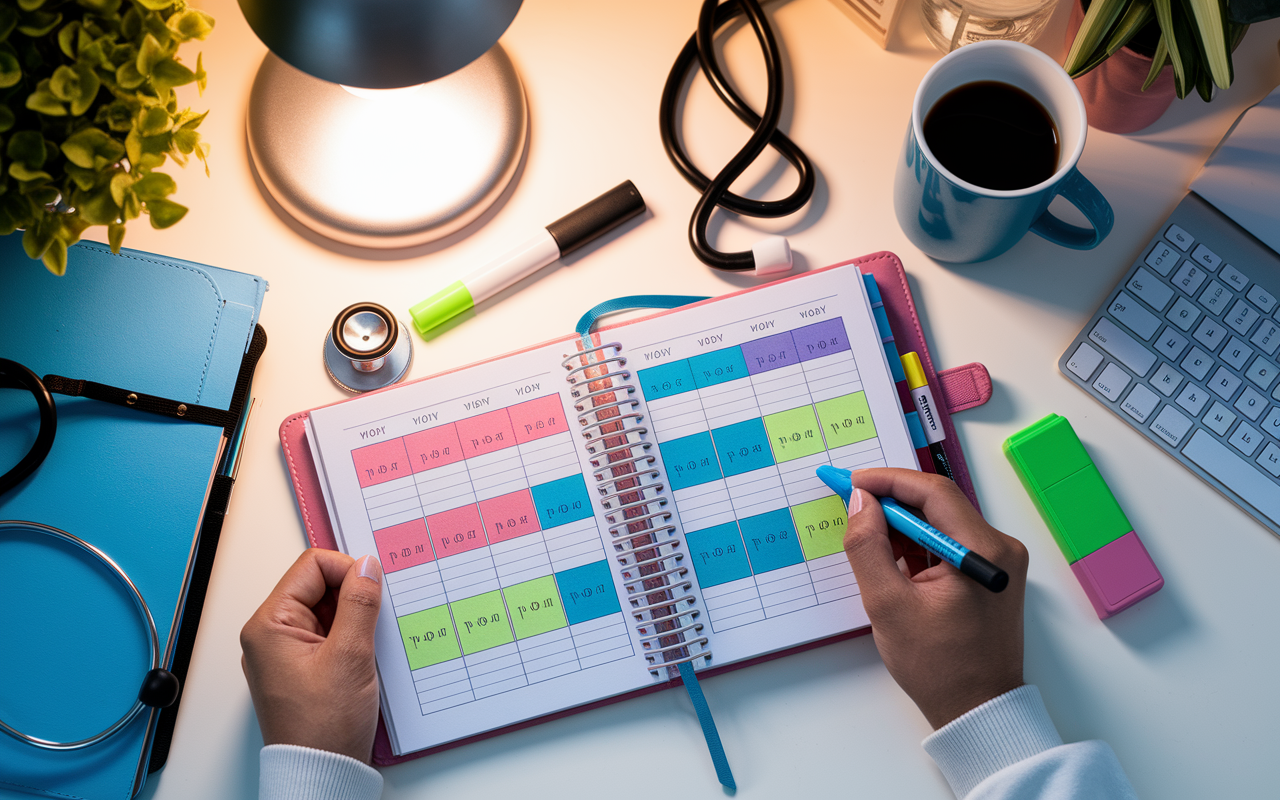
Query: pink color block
(381, 462)
(538, 418)
(404, 545)
(1118, 575)
(509, 516)
(456, 531)
(486, 433)
(434, 447)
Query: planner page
(746, 397)
(499, 602)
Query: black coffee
(993, 135)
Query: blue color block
(587, 592)
(666, 380)
(561, 501)
(719, 366)
(742, 447)
(690, 460)
(718, 554)
(771, 540)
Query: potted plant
(1195, 38)
(88, 115)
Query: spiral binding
(631, 490)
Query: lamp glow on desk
(385, 123)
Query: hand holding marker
(922, 533)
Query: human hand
(951, 644)
(308, 655)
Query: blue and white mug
(954, 220)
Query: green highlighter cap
(441, 307)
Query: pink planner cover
(961, 388)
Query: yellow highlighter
(927, 410)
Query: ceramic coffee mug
(954, 220)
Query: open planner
(567, 523)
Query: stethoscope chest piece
(367, 348)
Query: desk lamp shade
(385, 169)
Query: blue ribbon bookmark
(709, 732)
(617, 304)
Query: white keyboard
(1185, 351)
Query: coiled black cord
(715, 191)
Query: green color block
(794, 434)
(1048, 450)
(482, 622)
(535, 607)
(1085, 513)
(429, 637)
(821, 525)
(846, 420)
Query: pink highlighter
(1086, 521)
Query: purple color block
(771, 352)
(1118, 575)
(820, 339)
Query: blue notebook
(131, 483)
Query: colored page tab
(486, 433)
(769, 353)
(771, 541)
(434, 447)
(588, 592)
(718, 555)
(846, 419)
(482, 622)
(794, 434)
(742, 447)
(820, 339)
(821, 525)
(537, 418)
(429, 637)
(456, 531)
(718, 366)
(666, 380)
(535, 607)
(561, 501)
(508, 516)
(404, 545)
(381, 462)
(690, 460)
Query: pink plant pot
(1112, 91)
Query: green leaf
(93, 149)
(170, 73)
(27, 147)
(68, 37)
(65, 83)
(1212, 38)
(121, 183)
(155, 5)
(98, 207)
(30, 5)
(1158, 62)
(1098, 20)
(128, 77)
(154, 186)
(21, 173)
(43, 101)
(81, 177)
(115, 236)
(150, 53)
(190, 24)
(37, 239)
(6, 118)
(8, 21)
(153, 122)
(1164, 17)
(165, 213)
(37, 24)
(103, 8)
(10, 69)
(55, 258)
(202, 77)
(88, 86)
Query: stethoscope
(159, 686)
(366, 348)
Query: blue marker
(923, 534)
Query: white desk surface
(1182, 685)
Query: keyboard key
(1275, 393)
(1210, 334)
(1219, 419)
(1162, 258)
(1183, 314)
(1245, 439)
(1133, 316)
(1205, 258)
(1112, 382)
(1192, 398)
(1267, 337)
(1235, 278)
(1250, 403)
(1171, 343)
(1270, 459)
(1261, 298)
(1198, 363)
(1262, 372)
(1224, 384)
(1215, 298)
(1171, 425)
(1140, 403)
(1189, 277)
(1151, 289)
(1242, 317)
(1271, 425)
(1084, 361)
(1180, 238)
(1128, 350)
(1236, 353)
(1237, 475)
(1166, 380)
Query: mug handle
(1077, 190)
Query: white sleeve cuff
(293, 772)
(1000, 732)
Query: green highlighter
(1088, 524)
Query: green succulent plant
(88, 115)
